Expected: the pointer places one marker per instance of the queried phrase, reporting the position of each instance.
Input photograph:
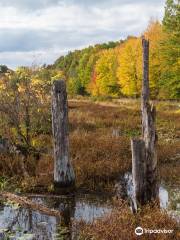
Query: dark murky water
(28, 224)
(33, 225)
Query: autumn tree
(105, 71)
(155, 35)
(16, 99)
(78, 67)
(129, 67)
(25, 103)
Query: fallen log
(27, 203)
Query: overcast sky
(39, 31)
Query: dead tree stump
(64, 176)
(148, 128)
(139, 171)
(144, 155)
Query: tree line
(114, 69)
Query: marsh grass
(100, 156)
(121, 224)
(100, 135)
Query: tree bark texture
(63, 171)
(144, 153)
(149, 129)
(139, 170)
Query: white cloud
(56, 25)
(71, 17)
(30, 58)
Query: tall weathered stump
(149, 129)
(144, 154)
(64, 176)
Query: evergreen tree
(171, 49)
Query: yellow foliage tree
(155, 35)
(104, 82)
(129, 73)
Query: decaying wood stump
(139, 171)
(144, 155)
(63, 171)
(149, 129)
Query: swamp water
(32, 225)
(169, 196)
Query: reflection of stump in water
(67, 208)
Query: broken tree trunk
(148, 129)
(139, 171)
(63, 170)
(144, 156)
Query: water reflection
(170, 200)
(22, 221)
(35, 225)
(164, 197)
(169, 196)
